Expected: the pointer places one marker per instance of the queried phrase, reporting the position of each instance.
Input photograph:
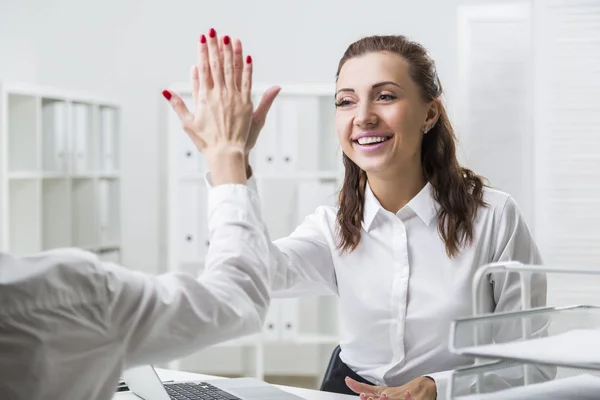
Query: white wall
(18, 22)
(131, 50)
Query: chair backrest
(331, 366)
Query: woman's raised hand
(220, 122)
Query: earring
(428, 128)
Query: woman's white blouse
(399, 290)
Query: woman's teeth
(372, 139)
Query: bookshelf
(59, 171)
(297, 164)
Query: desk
(166, 374)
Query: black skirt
(336, 382)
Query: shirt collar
(423, 205)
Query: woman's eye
(386, 97)
(342, 102)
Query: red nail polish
(202, 39)
(167, 94)
(212, 33)
(248, 59)
(226, 40)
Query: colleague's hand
(220, 123)
(259, 116)
(422, 388)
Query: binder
(108, 211)
(289, 318)
(288, 133)
(108, 133)
(113, 256)
(81, 134)
(266, 149)
(272, 326)
(54, 136)
(299, 132)
(103, 211)
(188, 226)
(189, 159)
(192, 227)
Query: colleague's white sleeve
(513, 243)
(301, 263)
(164, 317)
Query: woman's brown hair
(457, 190)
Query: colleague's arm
(163, 317)
(69, 322)
(513, 243)
(300, 263)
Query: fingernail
(248, 59)
(167, 94)
(226, 40)
(202, 39)
(212, 33)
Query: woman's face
(381, 115)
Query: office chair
(333, 362)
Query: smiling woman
(411, 229)
(388, 101)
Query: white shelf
(103, 248)
(294, 89)
(298, 166)
(60, 175)
(24, 175)
(298, 176)
(33, 90)
(247, 341)
(97, 175)
(56, 145)
(315, 339)
(300, 339)
(51, 175)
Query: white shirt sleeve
(301, 263)
(69, 323)
(513, 242)
(173, 315)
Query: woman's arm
(300, 263)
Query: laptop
(144, 382)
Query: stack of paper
(580, 387)
(576, 348)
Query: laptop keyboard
(197, 391)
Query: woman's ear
(433, 114)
